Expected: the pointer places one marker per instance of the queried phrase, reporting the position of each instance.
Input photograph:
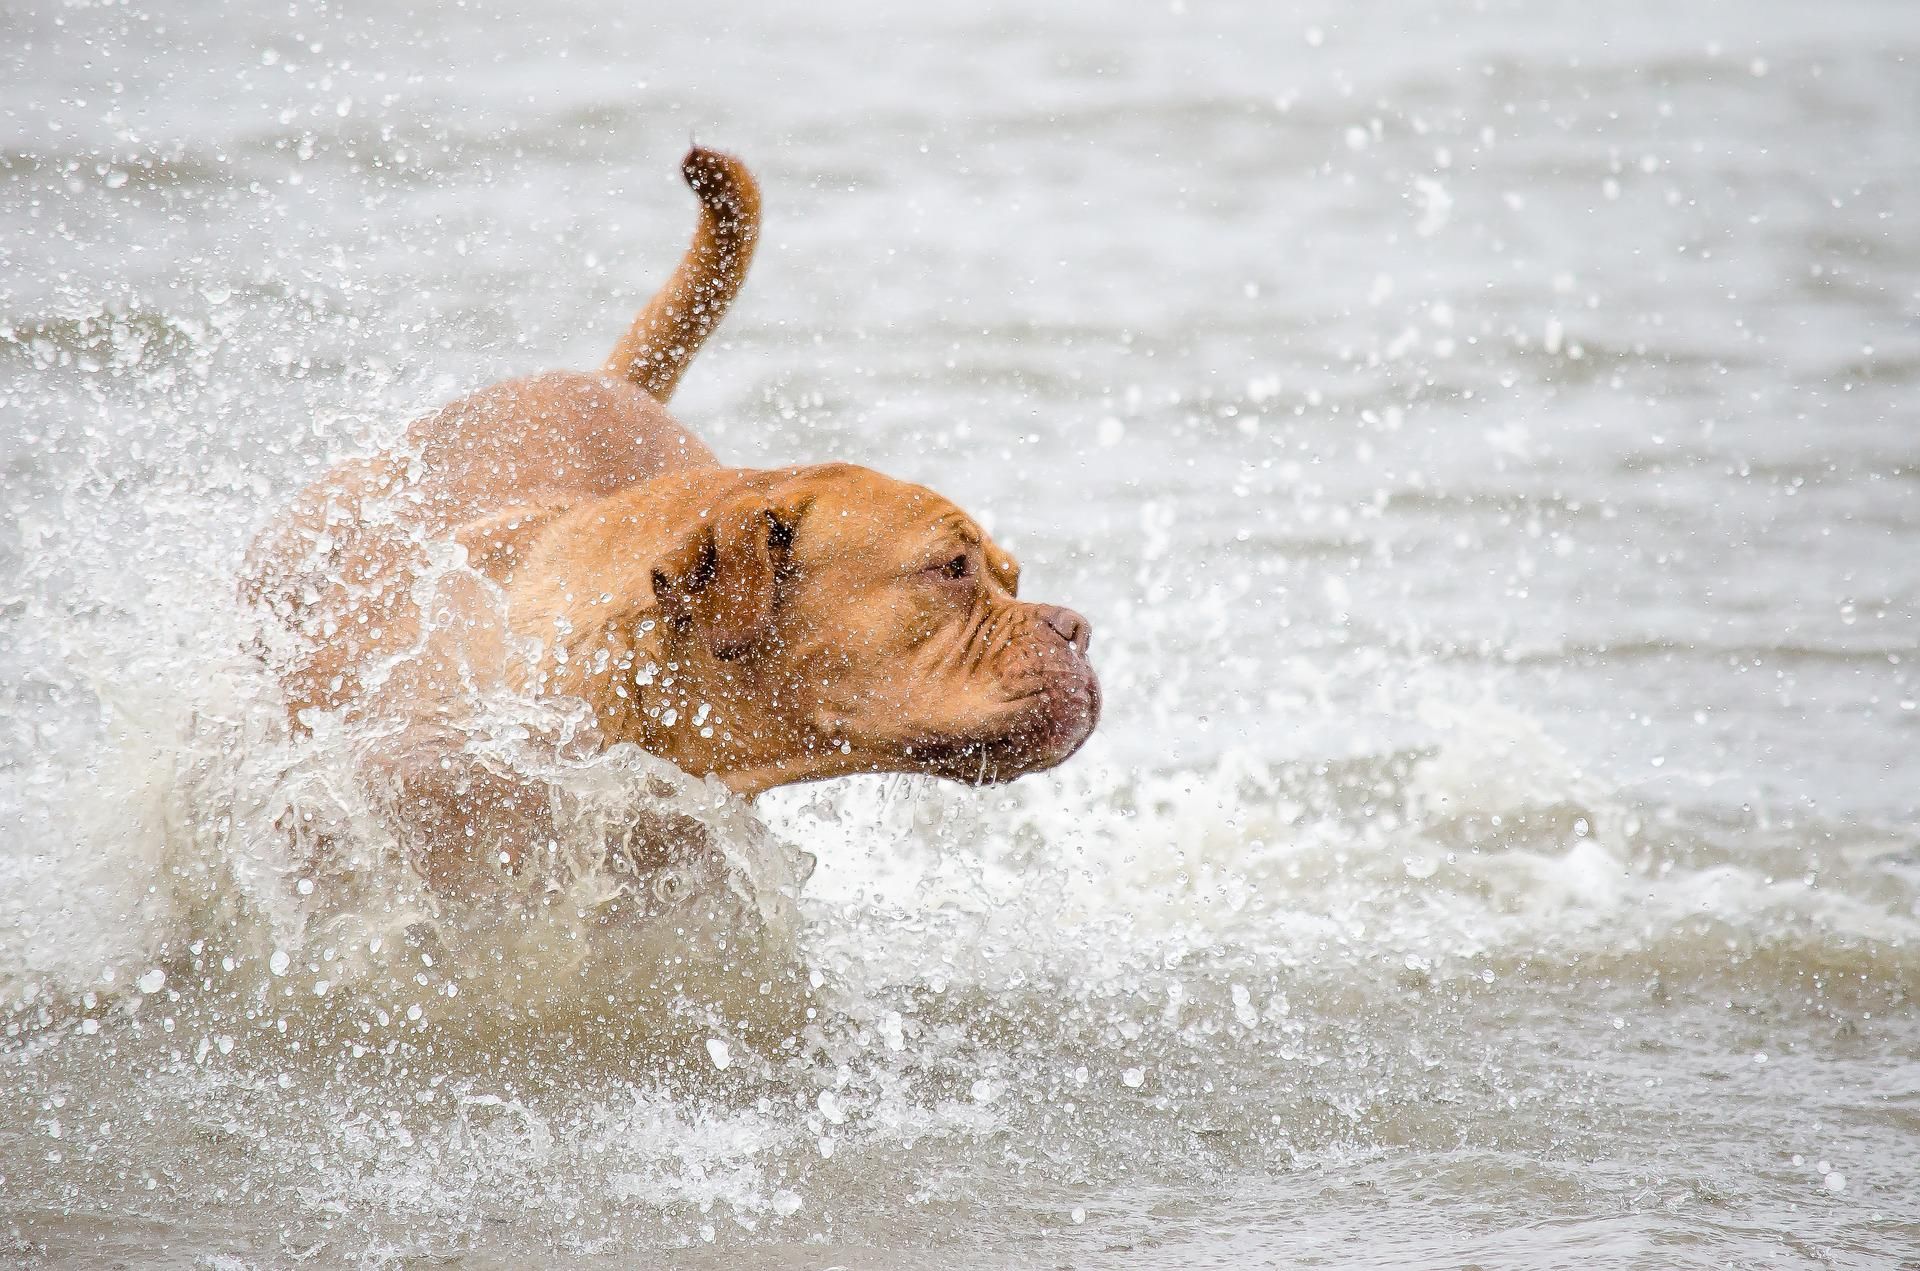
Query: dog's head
(836, 621)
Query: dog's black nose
(1069, 626)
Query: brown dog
(761, 626)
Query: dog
(562, 537)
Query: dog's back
(336, 570)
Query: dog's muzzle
(1053, 706)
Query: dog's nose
(1069, 626)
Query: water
(1482, 436)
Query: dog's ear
(720, 578)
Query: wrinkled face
(909, 642)
(892, 639)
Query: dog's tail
(670, 330)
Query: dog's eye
(956, 568)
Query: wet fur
(603, 536)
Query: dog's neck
(644, 688)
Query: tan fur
(562, 536)
(665, 336)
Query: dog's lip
(933, 744)
(988, 757)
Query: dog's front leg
(464, 820)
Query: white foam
(266, 861)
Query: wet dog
(563, 537)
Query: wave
(119, 170)
(104, 340)
(233, 861)
(216, 851)
(1487, 855)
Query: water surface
(1482, 436)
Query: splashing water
(1484, 454)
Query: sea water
(1482, 436)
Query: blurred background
(1482, 435)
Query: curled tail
(670, 330)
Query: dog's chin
(1036, 733)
